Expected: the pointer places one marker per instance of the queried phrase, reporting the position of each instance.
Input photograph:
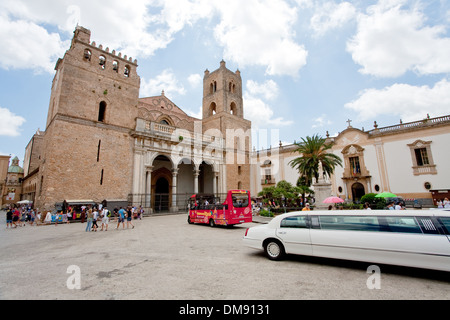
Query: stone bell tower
(87, 150)
(223, 115)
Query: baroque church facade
(103, 142)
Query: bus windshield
(240, 199)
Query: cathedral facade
(103, 142)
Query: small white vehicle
(412, 238)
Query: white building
(409, 159)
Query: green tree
(314, 150)
(283, 189)
(303, 189)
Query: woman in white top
(48, 217)
(446, 203)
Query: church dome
(14, 167)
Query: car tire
(189, 220)
(274, 250)
(211, 223)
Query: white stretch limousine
(413, 238)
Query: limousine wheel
(274, 249)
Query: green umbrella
(386, 195)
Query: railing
(268, 181)
(168, 130)
(425, 169)
(416, 124)
(154, 126)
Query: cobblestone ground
(164, 257)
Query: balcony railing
(170, 133)
(268, 181)
(425, 169)
(411, 125)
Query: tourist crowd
(94, 216)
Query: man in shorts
(121, 218)
(105, 219)
(9, 218)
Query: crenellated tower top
(122, 65)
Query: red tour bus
(209, 209)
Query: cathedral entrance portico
(167, 184)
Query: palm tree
(314, 150)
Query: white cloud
(253, 32)
(195, 80)
(10, 123)
(269, 89)
(115, 24)
(257, 110)
(331, 15)
(320, 121)
(391, 40)
(166, 81)
(26, 45)
(402, 100)
(261, 33)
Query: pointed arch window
(213, 87)
(126, 71)
(102, 62)
(116, 66)
(87, 55)
(233, 109)
(212, 109)
(102, 111)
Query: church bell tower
(223, 113)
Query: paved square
(164, 257)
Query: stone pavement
(166, 258)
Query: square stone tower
(223, 115)
(87, 150)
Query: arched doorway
(162, 190)
(161, 184)
(357, 192)
(206, 178)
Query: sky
(307, 66)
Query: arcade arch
(168, 183)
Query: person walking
(89, 220)
(121, 218)
(446, 203)
(129, 217)
(32, 217)
(9, 218)
(94, 219)
(105, 218)
(48, 218)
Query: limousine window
(445, 221)
(403, 224)
(355, 223)
(294, 222)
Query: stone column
(196, 174)
(174, 189)
(148, 189)
(215, 177)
